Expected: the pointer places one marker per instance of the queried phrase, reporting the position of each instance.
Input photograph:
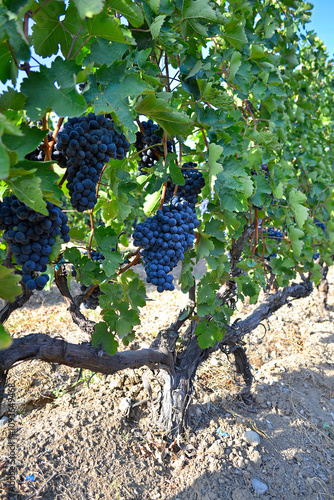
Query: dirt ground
(75, 440)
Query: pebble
(125, 406)
(3, 421)
(252, 438)
(259, 486)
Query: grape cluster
(31, 236)
(148, 139)
(164, 238)
(320, 224)
(274, 234)
(39, 154)
(92, 301)
(88, 143)
(194, 182)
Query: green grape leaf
(31, 138)
(234, 65)
(201, 9)
(8, 68)
(208, 333)
(48, 31)
(89, 8)
(156, 25)
(109, 92)
(215, 152)
(5, 339)
(27, 188)
(104, 339)
(9, 288)
(296, 198)
(205, 246)
(295, 234)
(235, 34)
(11, 99)
(262, 188)
(65, 100)
(105, 52)
(128, 318)
(105, 26)
(129, 10)
(4, 161)
(173, 122)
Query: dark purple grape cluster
(194, 182)
(320, 224)
(88, 143)
(39, 154)
(164, 238)
(265, 169)
(275, 234)
(151, 136)
(92, 301)
(96, 256)
(31, 236)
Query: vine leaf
(49, 31)
(296, 198)
(295, 234)
(129, 10)
(65, 100)
(9, 288)
(26, 143)
(110, 89)
(104, 339)
(156, 25)
(5, 339)
(208, 334)
(27, 188)
(8, 68)
(173, 122)
(89, 8)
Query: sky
(322, 23)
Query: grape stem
(163, 194)
(132, 263)
(46, 141)
(54, 135)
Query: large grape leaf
(296, 198)
(105, 26)
(174, 122)
(129, 10)
(104, 339)
(26, 143)
(8, 68)
(65, 100)
(110, 88)
(9, 288)
(89, 8)
(27, 188)
(105, 52)
(11, 99)
(49, 30)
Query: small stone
(125, 406)
(259, 486)
(252, 438)
(3, 421)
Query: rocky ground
(77, 437)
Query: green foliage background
(236, 84)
